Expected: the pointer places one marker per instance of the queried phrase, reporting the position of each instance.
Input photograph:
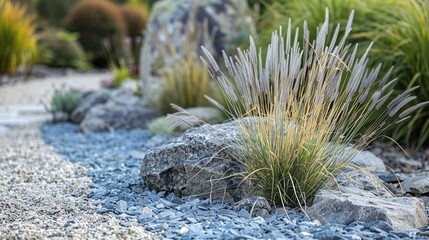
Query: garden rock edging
(197, 164)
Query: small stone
(196, 228)
(401, 234)
(305, 234)
(147, 211)
(418, 184)
(261, 213)
(244, 213)
(379, 226)
(183, 230)
(68, 224)
(160, 206)
(122, 206)
(166, 214)
(191, 220)
(352, 237)
(388, 177)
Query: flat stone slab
(333, 206)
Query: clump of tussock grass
(307, 105)
(185, 81)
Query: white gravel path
(42, 195)
(33, 91)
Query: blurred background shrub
(98, 22)
(135, 21)
(18, 43)
(62, 49)
(53, 12)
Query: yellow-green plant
(305, 106)
(120, 72)
(62, 49)
(185, 81)
(18, 43)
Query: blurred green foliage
(54, 11)
(121, 73)
(62, 49)
(100, 26)
(162, 125)
(398, 29)
(66, 101)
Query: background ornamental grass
(304, 103)
(399, 31)
(184, 80)
(18, 43)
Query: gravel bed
(118, 191)
(44, 196)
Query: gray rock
(417, 184)
(333, 206)
(196, 164)
(90, 100)
(366, 159)
(123, 98)
(60, 117)
(361, 181)
(122, 206)
(109, 117)
(389, 177)
(257, 206)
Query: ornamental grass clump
(185, 81)
(18, 42)
(300, 107)
(65, 100)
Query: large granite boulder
(216, 24)
(228, 21)
(347, 206)
(196, 164)
(108, 117)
